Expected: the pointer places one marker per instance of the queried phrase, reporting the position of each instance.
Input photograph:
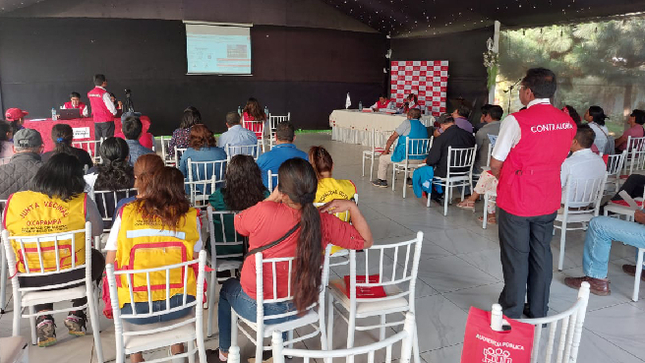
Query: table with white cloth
(355, 127)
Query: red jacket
(100, 112)
(529, 182)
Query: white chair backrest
(4, 161)
(636, 144)
(615, 163)
(417, 148)
(91, 146)
(273, 180)
(489, 153)
(405, 336)
(568, 339)
(165, 154)
(273, 125)
(179, 151)
(271, 266)
(582, 193)
(63, 245)
(460, 161)
(226, 230)
(206, 170)
(257, 126)
(143, 275)
(402, 274)
(106, 201)
(252, 150)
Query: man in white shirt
(583, 163)
(236, 134)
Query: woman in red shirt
(291, 203)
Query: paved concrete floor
(460, 268)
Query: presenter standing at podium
(103, 110)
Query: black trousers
(527, 263)
(103, 129)
(98, 265)
(634, 186)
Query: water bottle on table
(54, 117)
(360, 106)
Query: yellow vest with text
(143, 244)
(330, 189)
(30, 214)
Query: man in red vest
(528, 154)
(103, 110)
(75, 102)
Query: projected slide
(213, 49)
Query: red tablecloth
(80, 126)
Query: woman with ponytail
(62, 135)
(328, 187)
(290, 205)
(596, 117)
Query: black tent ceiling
(431, 17)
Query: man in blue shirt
(281, 152)
(236, 134)
(132, 129)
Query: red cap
(15, 114)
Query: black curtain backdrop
(305, 71)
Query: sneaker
(379, 183)
(45, 330)
(75, 323)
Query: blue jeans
(232, 296)
(142, 308)
(602, 231)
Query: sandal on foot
(491, 219)
(466, 204)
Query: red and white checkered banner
(427, 79)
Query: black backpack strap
(274, 243)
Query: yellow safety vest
(330, 189)
(31, 213)
(143, 244)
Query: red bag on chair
(483, 344)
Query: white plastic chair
(91, 146)
(258, 128)
(203, 178)
(562, 345)
(165, 154)
(399, 285)
(28, 297)
(635, 159)
(252, 150)
(373, 153)
(313, 314)
(179, 151)
(406, 337)
(224, 262)
(131, 338)
(582, 199)
(459, 174)
(415, 149)
(3, 267)
(489, 197)
(273, 125)
(106, 201)
(489, 153)
(615, 165)
(271, 177)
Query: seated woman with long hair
(144, 169)
(243, 190)
(162, 208)
(290, 204)
(180, 136)
(57, 188)
(254, 112)
(328, 187)
(62, 135)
